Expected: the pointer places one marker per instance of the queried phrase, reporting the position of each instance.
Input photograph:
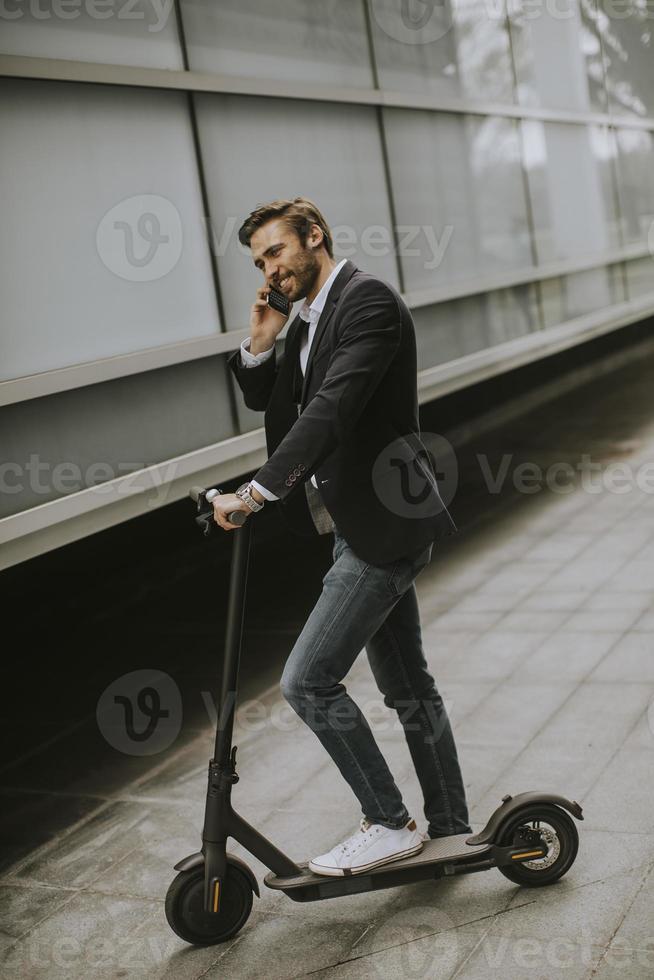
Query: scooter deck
(434, 852)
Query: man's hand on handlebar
(223, 504)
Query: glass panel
(636, 183)
(455, 48)
(258, 150)
(64, 443)
(628, 48)
(104, 250)
(557, 54)
(118, 32)
(459, 195)
(298, 40)
(640, 276)
(453, 329)
(570, 296)
(570, 177)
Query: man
(342, 432)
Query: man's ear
(315, 244)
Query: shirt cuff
(262, 490)
(253, 360)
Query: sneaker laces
(355, 840)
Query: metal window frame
(76, 515)
(122, 365)
(149, 359)
(61, 70)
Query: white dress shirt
(312, 315)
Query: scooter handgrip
(237, 517)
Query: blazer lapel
(292, 355)
(333, 297)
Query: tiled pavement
(539, 627)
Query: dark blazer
(358, 430)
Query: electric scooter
(530, 838)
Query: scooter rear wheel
(557, 830)
(185, 910)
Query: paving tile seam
(595, 948)
(607, 830)
(65, 794)
(63, 835)
(627, 735)
(482, 939)
(44, 745)
(274, 688)
(556, 711)
(49, 845)
(571, 887)
(83, 721)
(619, 636)
(24, 935)
(462, 925)
(625, 912)
(76, 893)
(384, 949)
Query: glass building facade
(494, 163)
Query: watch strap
(244, 493)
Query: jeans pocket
(404, 571)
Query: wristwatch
(244, 493)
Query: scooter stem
(233, 637)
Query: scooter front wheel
(557, 831)
(185, 907)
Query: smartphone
(278, 301)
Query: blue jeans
(376, 606)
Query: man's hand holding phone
(265, 322)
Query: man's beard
(305, 272)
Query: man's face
(285, 263)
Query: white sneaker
(371, 846)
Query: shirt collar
(312, 313)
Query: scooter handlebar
(205, 518)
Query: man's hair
(299, 214)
